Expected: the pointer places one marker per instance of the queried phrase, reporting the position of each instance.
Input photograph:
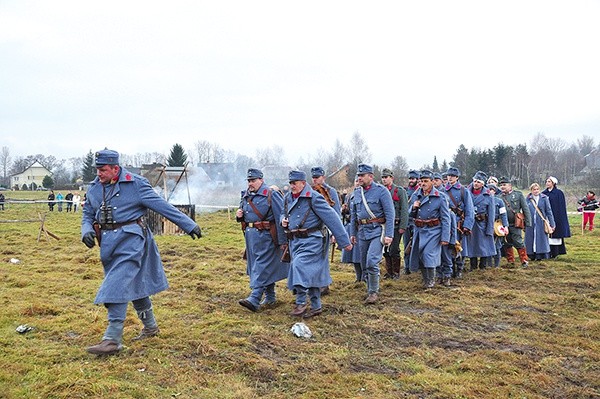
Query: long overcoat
(352, 256)
(132, 265)
(426, 240)
(536, 240)
(481, 240)
(559, 210)
(464, 201)
(263, 260)
(309, 259)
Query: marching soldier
(519, 217)
(259, 214)
(461, 204)
(481, 240)
(413, 185)
(371, 226)
(502, 229)
(444, 272)
(306, 218)
(431, 217)
(391, 252)
(329, 193)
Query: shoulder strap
(255, 209)
(371, 214)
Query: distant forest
(572, 163)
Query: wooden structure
(159, 225)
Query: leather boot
(106, 347)
(510, 255)
(523, 257)
(395, 268)
(372, 289)
(389, 270)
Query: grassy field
(507, 333)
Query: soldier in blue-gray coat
(259, 214)
(306, 218)
(116, 203)
(480, 243)
(461, 205)
(430, 215)
(371, 226)
(501, 231)
(444, 271)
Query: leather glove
(89, 239)
(196, 233)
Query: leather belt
(369, 221)
(260, 225)
(427, 222)
(114, 226)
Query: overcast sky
(415, 78)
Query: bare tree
(274, 155)
(4, 163)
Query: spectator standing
(59, 201)
(51, 202)
(76, 201)
(559, 210)
(69, 199)
(588, 206)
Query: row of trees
(524, 164)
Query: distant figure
(2, 199)
(588, 206)
(69, 199)
(76, 201)
(59, 200)
(51, 201)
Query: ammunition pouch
(481, 217)
(369, 221)
(301, 233)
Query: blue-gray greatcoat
(132, 265)
(309, 258)
(263, 261)
(536, 239)
(426, 241)
(369, 235)
(352, 256)
(480, 243)
(462, 198)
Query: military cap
(317, 171)
(453, 172)
(254, 174)
(437, 175)
(426, 174)
(503, 180)
(387, 172)
(492, 180)
(106, 157)
(297, 175)
(480, 176)
(413, 174)
(493, 187)
(363, 168)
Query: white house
(35, 173)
